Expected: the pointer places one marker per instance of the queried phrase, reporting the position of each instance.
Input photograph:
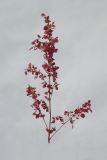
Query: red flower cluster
(46, 44)
(37, 105)
(42, 108)
(73, 115)
(50, 131)
(34, 71)
(78, 112)
(31, 91)
(57, 118)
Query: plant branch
(60, 127)
(45, 122)
(49, 112)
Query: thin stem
(60, 127)
(49, 112)
(51, 93)
(45, 122)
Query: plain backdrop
(81, 26)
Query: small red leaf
(82, 115)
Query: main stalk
(49, 111)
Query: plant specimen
(42, 105)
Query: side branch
(60, 128)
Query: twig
(60, 128)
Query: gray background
(82, 29)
